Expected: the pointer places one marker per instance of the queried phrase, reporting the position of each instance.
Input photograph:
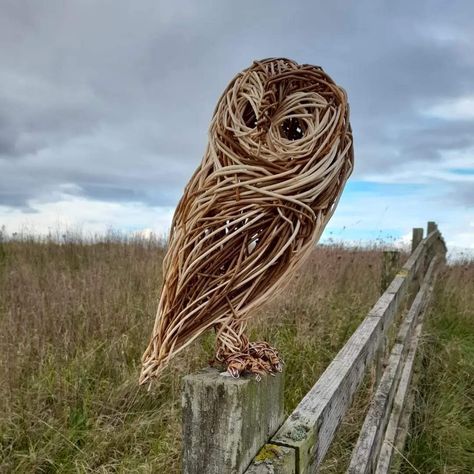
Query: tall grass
(75, 317)
(442, 427)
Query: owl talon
(259, 359)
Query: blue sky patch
(391, 189)
(463, 171)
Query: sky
(105, 106)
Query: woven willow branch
(279, 153)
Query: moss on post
(226, 421)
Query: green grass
(442, 428)
(75, 318)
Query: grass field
(75, 318)
(442, 432)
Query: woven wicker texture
(279, 153)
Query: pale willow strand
(279, 153)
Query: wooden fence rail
(226, 421)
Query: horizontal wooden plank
(365, 455)
(386, 452)
(400, 404)
(419, 304)
(311, 427)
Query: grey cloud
(462, 195)
(429, 142)
(115, 97)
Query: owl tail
(240, 356)
(153, 364)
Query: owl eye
(292, 129)
(249, 117)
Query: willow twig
(278, 156)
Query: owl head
(283, 114)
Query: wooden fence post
(417, 237)
(235, 426)
(226, 421)
(431, 227)
(390, 264)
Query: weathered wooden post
(439, 246)
(417, 237)
(390, 264)
(226, 421)
(431, 227)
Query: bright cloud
(78, 214)
(461, 108)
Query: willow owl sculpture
(278, 156)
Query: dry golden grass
(75, 317)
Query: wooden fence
(237, 425)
